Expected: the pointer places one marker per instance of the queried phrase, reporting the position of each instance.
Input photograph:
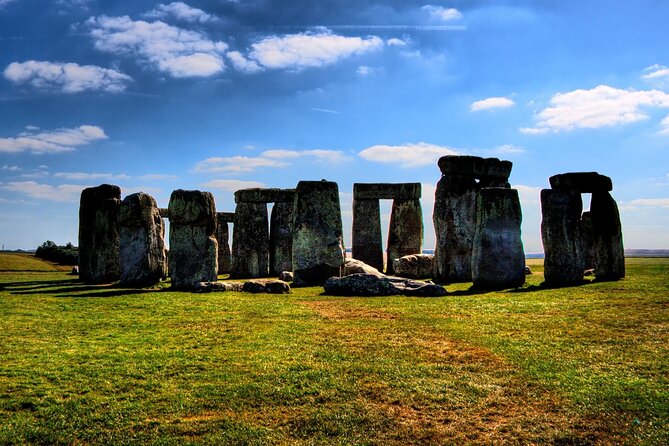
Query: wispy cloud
(317, 154)
(442, 14)
(407, 155)
(231, 185)
(60, 193)
(325, 110)
(56, 141)
(602, 106)
(4, 3)
(241, 63)
(664, 126)
(649, 202)
(656, 75)
(157, 177)
(9, 168)
(235, 164)
(90, 176)
(297, 51)
(169, 49)
(492, 103)
(181, 11)
(66, 77)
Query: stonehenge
(477, 218)
(574, 240)
(405, 234)
(465, 221)
(99, 239)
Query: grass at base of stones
(578, 365)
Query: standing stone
(281, 238)
(142, 241)
(564, 260)
(607, 237)
(193, 256)
(405, 234)
(498, 259)
(222, 237)
(250, 241)
(318, 243)
(99, 260)
(587, 242)
(367, 245)
(454, 220)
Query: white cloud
(602, 106)
(181, 11)
(326, 110)
(231, 185)
(56, 141)
(235, 164)
(442, 14)
(650, 202)
(66, 77)
(243, 64)
(175, 51)
(90, 176)
(9, 168)
(395, 42)
(509, 149)
(319, 154)
(408, 155)
(61, 193)
(664, 124)
(310, 50)
(657, 75)
(492, 103)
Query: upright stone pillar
(405, 235)
(607, 237)
(250, 241)
(498, 258)
(142, 241)
(99, 258)
(281, 238)
(193, 255)
(564, 260)
(222, 237)
(367, 245)
(318, 243)
(587, 242)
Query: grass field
(100, 365)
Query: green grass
(100, 365)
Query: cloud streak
(66, 77)
(492, 103)
(181, 11)
(60, 193)
(56, 141)
(407, 155)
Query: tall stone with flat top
(142, 241)
(99, 257)
(367, 245)
(498, 258)
(561, 236)
(318, 243)
(193, 256)
(222, 237)
(405, 234)
(250, 241)
(607, 237)
(281, 238)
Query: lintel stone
(386, 191)
(583, 182)
(225, 217)
(264, 195)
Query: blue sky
(222, 95)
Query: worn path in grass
(101, 365)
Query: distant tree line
(65, 255)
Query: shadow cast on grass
(116, 292)
(36, 284)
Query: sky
(221, 95)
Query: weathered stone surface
(223, 237)
(373, 285)
(164, 213)
(386, 191)
(143, 255)
(264, 195)
(587, 243)
(281, 238)
(318, 244)
(354, 266)
(286, 276)
(193, 255)
(250, 241)
(564, 260)
(99, 257)
(489, 170)
(607, 237)
(227, 217)
(454, 220)
(405, 234)
(584, 182)
(415, 266)
(250, 286)
(498, 259)
(367, 245)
